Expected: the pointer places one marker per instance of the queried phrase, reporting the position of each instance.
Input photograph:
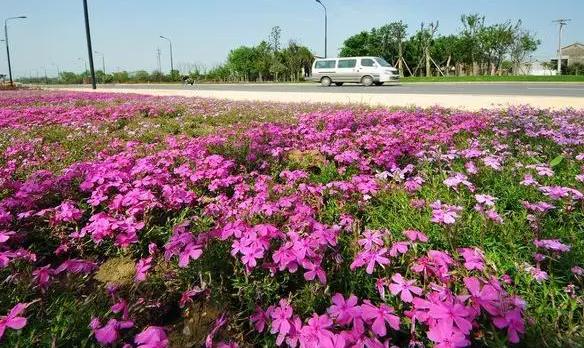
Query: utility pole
(89, 49)
(158, 60)
(562, 22)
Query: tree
(356, 45)
(70, 77)
(241, 61)
(471, 45)
(523, 44)
(446, 51)
(275, 38)
(263, 60)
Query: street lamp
(89, 50)
(7, 48)
(102, 60)
(325, 26)
(171, 63)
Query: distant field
(562, 78)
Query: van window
(367, 62)
(382, 62)
(325, 64)
(347, 63)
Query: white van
(364, 70)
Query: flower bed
(267, 224)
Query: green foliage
(476, 49)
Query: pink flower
(492, 215)
(444, 214)
(13, 320)
(5, 235)
(281, 318)
(152, 337)
(370, 258)
(190, 252)
(43, 275)
(259, 319)
(446, 336)
(344, 311)
(398, 248)
(488, 297)
(109, 333)
(415, 235)
(317, 333)
(471, 168)
(552, 244)
(473, 258)
(370, 239)
(187, 296)
(537, 273)
(486, 200)
(313, 271)
(577, 270)
(379, 316)
(528, 180)
(513, 322)
(452, 312)
(405, 287)
(142, 268)
(76, 266)
(457, 179)
(67, 212)
(380, 285)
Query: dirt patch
(119, 270)
(198, 321)
(308, 159)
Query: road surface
(469, 96)
(448, 88)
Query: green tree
(242, 62)
(263, 60)
(524, 43)
(471, 47)
(121, 77)
(356, 45)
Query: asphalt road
(466, 88)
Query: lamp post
(171, 62)
(325, 27)
(102, 60)
(7, 48)
(89, 50)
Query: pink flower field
(138, 221)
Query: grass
(522, 78)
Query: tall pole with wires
(562, 22)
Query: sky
(204, 31)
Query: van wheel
(326, 81)
(378, 83)
(367, 81)
(339, 83)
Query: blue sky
(203, 31)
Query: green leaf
(556, 161)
